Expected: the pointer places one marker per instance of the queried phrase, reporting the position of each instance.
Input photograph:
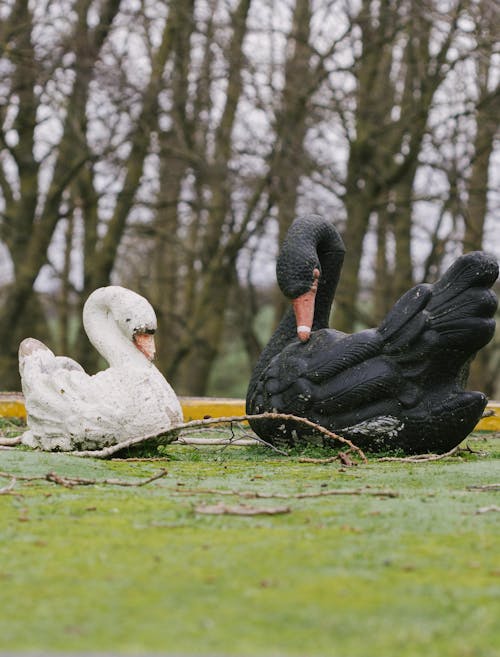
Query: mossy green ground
(138, 571)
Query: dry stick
(80, 481)
(112, 449)
(480, 487)
(240, 510)
(69, 482)
(145, 459)
(8, 475)
(284, 496)
(242, 442)
(343, 457)
(486, 509)
(7, 442)
(234, 440)
(419, 458)
(7, 489)
(307, 459)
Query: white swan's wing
(64, 362)
(63, 402)
(68, 409)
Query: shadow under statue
(399, 386)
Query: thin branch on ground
(308, 459)
(484, 487)
(469, 450)
(343, 457)
(285, 496)
(240, 510)
(140, 459)
(10, 430)
(132, 442)
(9, 442)
(6, 490)
(487, 509)
(244, 442)
(8, 475)
(419, 458)
(69, 482)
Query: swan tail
(27, 348)
(449, 320)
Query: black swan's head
(310, 259)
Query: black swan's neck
(311, 241)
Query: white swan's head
(129, 312)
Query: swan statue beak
(145, 342)
(303, 308)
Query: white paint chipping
(381, 426)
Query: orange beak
(145, 342)
(303, 308)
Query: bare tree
(162, 149)
(34, 187)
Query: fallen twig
(240, 510)
(69, 482)
(420, 458)
(146, 459)
(9, 442)
(8, 475)
(215, 441)
(234, 440)
(487, 509)
(285, 496)
(7, 489)
(343, 457)
(484, 487)
(113, 449)
(308, 459)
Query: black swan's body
(399, 386)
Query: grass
(138, 570)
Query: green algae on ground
(137, 570)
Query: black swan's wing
(329, 375)
(413, 367)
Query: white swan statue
(69, 410)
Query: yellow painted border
(12, 405)
(196, 408)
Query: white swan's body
(68, 409)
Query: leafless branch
(240, 510)
(9, 442)
(487, 509)
(285, 496)
(69, 482)
(113, 449)
(484, 487)
(6, 490)
(343, 457)
(420, 458)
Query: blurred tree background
(166, 145)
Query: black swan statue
(396, 387)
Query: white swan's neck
(106, 336)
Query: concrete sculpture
(70, 410)
(396, 387)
